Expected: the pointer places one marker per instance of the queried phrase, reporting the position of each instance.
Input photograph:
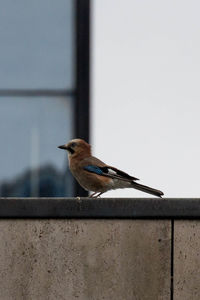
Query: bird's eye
(73, 145)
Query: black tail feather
(147, 189)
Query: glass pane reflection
(37, 44)
(31, 129)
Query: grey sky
(146, 92)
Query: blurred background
(132, 66)
(146, 92)
(44, 77)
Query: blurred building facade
(40, 93)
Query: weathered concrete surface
(84, 259)
(187, 260)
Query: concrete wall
(98, 259)
(187, 260)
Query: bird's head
(77, 147)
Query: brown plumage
(94, 175)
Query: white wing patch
(111, 172)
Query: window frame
(81, 91)
(82, 102)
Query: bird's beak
(64, 147)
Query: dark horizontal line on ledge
(36, 92)
(136, 208)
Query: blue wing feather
(93, 169)
(111, 172)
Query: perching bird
(94, 175)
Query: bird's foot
(93, 195)
(96, 195)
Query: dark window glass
(36, 49)
(37, 66)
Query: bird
(96, 176)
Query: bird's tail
(147, 189)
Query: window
(40, 93)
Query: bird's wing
(109, 171)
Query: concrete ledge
(136, 208)
(82, 259)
